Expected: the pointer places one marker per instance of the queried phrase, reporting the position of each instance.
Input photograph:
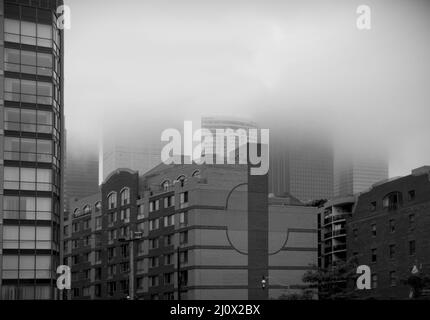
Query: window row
(30, 91)
(392, 251)
(27, 237)
(28, 179)
(27, 208)
(30, 62)
(28, 120)
(25, 149)
(27, 267)
(30, 33)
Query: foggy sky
(139, 66)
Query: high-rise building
(301, 164)
(31, 148)
(239, 130)
(388, 232)
(81, 173)
(357, 171)
(118, 154)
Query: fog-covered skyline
(137, 67)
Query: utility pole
(179, 273)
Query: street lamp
(134, 236)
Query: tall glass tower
(31, 148)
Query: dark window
(392, 251)
(411, 195)
(392, 226)
(393, 278)
(355, 234)
(373, 206)
(392, 201)
(374, 281)
(373, 230)
(412, 221)
(412, 247)
(374, 256)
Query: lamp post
(133, 237)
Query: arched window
(76, 212)
(392, 201)
(196, 174)
(98, 206)
(165, 185)
(181, 179)
(112, 200)
(87, 209)
(125, 196)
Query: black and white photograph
(221, 156)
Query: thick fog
(134, 68)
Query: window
(28, 120)
(87, 224)
(392, 226)
(392, 251)
(125, 215)
(31, 179)
(141, 212)
(87, 209)
(169, 296)
(111, 235)
(169, 221)
(124, 251)
(75, 292)
(373, 206)
(112, 200)
(154, 224)
(140, 266)
(87, 274)
(27, 208)
(98, 256)
(181, 180)
(392, 201)
(153, 243)
(411, 195)
(29, 33)
(125, 196)
(165, 185)
(373, 256)
(169, 201)
(112, 218)
(153, 281)
(183, 278)
(393, 279)
(28, 91)
(412, 247)
(124, 285)
(98, 223)
(184, 199)
(374, 281)
(66, 231)
(25, 149)
(168, 240)
(140, 227)
(153, 262)
(412, 221)
(168, 259)
(373, 227)
(98, 290)
(183, 237)
(196, 174)
(87, 241)
(111, 253)
(168, 278)
(140, 283)
(183, 257)
(124, 267)
(183, 218)
(111, 288)
(98, 206)
(140, 248)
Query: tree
(332, 282)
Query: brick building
(388, 231)
(213, 221)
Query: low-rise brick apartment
(214, 221)
(389, 232)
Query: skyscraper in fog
(239, 126)
(301, 164)
(31, 148)
(122, 154)
(81, 173)
(357, 171)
